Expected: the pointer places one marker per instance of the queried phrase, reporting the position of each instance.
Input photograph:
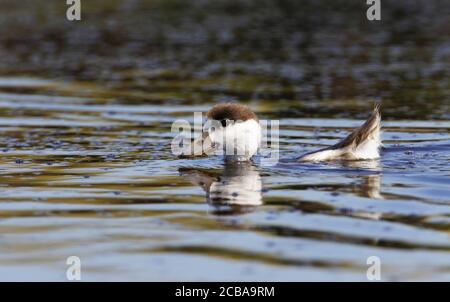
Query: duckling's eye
(224, 123)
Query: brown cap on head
(231, 111)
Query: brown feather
(345, 148)
(231, 111)
(363, 132)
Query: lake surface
(86, 167)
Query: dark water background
(86, 110)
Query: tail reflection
(235, 189)
(370, 186)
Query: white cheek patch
(237, 139)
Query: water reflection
(370, 185)
(235, 189)
(87, 169)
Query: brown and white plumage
(233, 128)
(363, 143)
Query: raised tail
(363, 143)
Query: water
(86, 167)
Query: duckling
(362, 144)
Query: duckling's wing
(363, 143)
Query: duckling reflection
(238, 186)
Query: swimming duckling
(231, 128)
(362, 144)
